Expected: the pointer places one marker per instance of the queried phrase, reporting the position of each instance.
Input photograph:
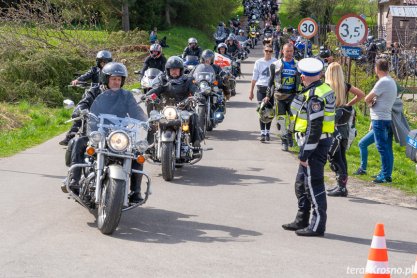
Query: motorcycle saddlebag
(411, 149)
(68, 152)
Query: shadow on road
(201, 175)
(231, 135)
(38, 174)
(243, 81)
(398, 246)
(152, 225)
(240, 104)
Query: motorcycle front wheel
(168, 160)
(110, 206)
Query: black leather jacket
(173, 91)
(93, 74)
(152, 63)
(193, 52)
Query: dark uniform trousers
(310, 190)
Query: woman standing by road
(344, 109)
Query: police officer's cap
(310, 66)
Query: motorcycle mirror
(68, 104)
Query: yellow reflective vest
(299, 108)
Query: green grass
(36, 124)
(177, 38)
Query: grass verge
(31, 125)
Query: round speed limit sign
(351, 30)
(308, 28)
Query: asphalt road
(219, 218)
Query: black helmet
(174, 62)
(114, 69)
(103, 56)
(207, 55)
(325, 53)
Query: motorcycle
(190, 62)
(172, 143)
(150, 79)
(220, 35)
(104, 185)
(211, 111)
(244, 44)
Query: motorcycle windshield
(204, 72)
(191, 60)
(107, 123)
(151, 73)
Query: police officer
(102, 58)
(313, 110)
(192, 49)
(284, 82)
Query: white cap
(310, 66)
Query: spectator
(395, 53)
(381, 100)
(153, 37)
(337, 154)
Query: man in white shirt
(260, 78)
(381, 99)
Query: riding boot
(135, 184)
(341, 190)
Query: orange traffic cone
(415, 270)
(377, 265)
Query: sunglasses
(269, 51)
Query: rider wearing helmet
(241, 36)
(176, 87)
(207, 57)
(116, 101)
(268, 28)
(232, 45)
(192, 49)
(155, 59)
(222, 49)
(102, 58)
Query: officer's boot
(341, 190)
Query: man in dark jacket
(116, 101)
(192, 49)
(102, 58)
(176, 87)
(155, 60)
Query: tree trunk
(125, 17)
(167, 15)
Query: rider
(116, 101)
(232, 45)
(192, 49)
(241, 36)
(176, 87)
(222, 49)
(268, 28)
(102, 58)
(283, 84)
(155, 59)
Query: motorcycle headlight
(118, 141)
(95, 137)
(170, 113)
(205, 87)
(185, 115)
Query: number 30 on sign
(308, 28)
(351, 30)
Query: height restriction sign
(308, 28)
(351, 30)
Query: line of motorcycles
(114, 143)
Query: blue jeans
(367, 140)
(383, 139)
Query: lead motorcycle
(113, 143)
(172, 146)
(211, 111)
